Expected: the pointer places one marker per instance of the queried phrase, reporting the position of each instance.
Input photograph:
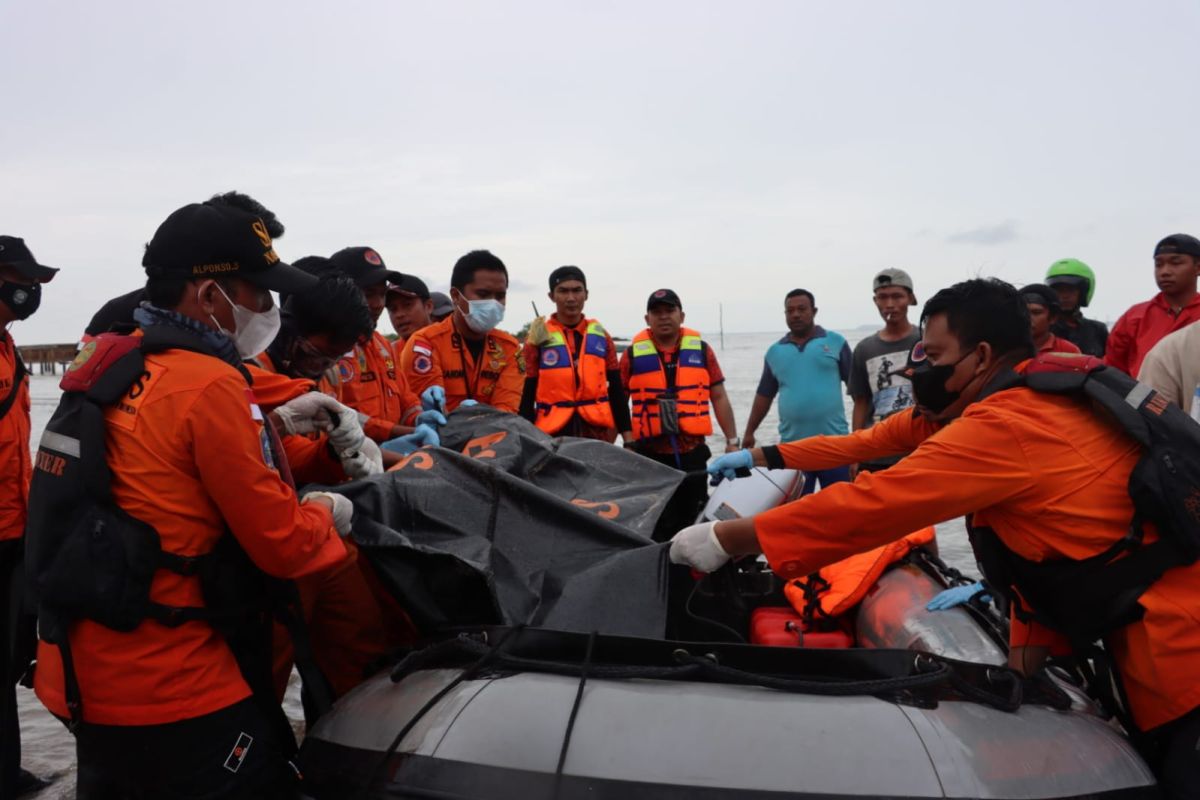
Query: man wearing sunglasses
(1043, 477)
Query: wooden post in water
(721, 317)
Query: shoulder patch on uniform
(422, 348)
(345, 369)
(422, 364)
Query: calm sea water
(49, 750)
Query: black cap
(442, 305)
(410, 285)
(916, 357)
(1178, 243)
(116, 313)
(215, 240)
(1042, 295)
(364, 265)
(663, 297)
(567, 274)
(15, 254)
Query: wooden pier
(47, 358)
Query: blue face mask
(484, 315)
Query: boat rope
(490, 653)
(929, 671)
(583, 676)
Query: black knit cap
(567, 274)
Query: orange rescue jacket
(436, 355)
(14, 445)
(309, 457)
(845, 583)
(187, 452)
(373, 387)
(566, 384)
(1043, 471)
(648, 381)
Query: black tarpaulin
(504, 524)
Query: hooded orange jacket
(188, 457)
(14, 445)
(1045, 473)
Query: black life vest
(87, 558)
(1089, 598)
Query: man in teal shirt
(806, 369)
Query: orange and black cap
(364, 265)
(215, 240)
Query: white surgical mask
(484, 315)
(253, 330)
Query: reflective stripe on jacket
(648, 380)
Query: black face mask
(929, 382)
(22, 299)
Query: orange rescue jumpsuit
(1045, 473)
(346, 609)
(372, 386)
(187, 454)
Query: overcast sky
(731, 151)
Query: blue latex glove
(433, 418)
(725, 466)
(957, 596)
(434, 399)
(468, 403)
(411, 442)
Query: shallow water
(49, 750)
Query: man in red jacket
(1177, 304)
(21, 279)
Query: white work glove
(365, 462)
(346, 433)
(696, 546)
(343, 509)
(311, 412)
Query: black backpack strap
(70, 684)
(18, 378)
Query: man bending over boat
(1045, 480)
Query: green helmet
(1073, 272)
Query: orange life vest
(648, 381)
(566, 385)
(842, 585)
